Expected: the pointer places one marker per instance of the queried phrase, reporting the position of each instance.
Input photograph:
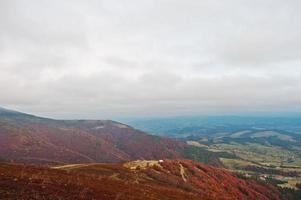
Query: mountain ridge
(33, 140)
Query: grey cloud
(114, 58)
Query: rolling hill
(136, 180)
(216, 126)
(35, 140)
(266, 148)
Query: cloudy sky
(117, 58)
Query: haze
(113, 58)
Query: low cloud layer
(115, 58)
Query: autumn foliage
(170, 180)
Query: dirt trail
(73, 166)
(182, 171)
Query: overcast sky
(118, 58)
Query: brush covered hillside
(137, 180)
(34, 140)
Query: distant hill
(30, 139)
(262, 145)
(282, 131)
(138, 180)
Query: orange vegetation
(141, 180)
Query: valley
(263, 148)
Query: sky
(117, 58)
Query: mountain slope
(29, 139)
(177, 179)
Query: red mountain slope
(34, 140)
(80, 142)
(142, 180)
